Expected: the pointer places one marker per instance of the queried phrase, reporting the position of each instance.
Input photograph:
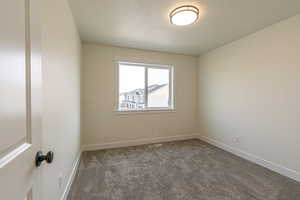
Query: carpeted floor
(185, 170)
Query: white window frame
(171, 106)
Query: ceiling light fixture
(184, 15)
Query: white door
(20, 92)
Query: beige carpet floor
(185, 170)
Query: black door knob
(39, 158)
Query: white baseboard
(253, 158)
(128, 143)
(71, 177)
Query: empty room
(150, 100)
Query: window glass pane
(131, 87)
(158, 87)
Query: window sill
(152, 111)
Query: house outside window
(144, 87)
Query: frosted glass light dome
(184, 15)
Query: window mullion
(146, 87)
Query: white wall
(102, 125)
(249, 89)
(61, 94)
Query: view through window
(145, 87)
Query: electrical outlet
(236, 140)
(60, 180)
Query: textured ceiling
(144, 24)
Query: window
(144, 87)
